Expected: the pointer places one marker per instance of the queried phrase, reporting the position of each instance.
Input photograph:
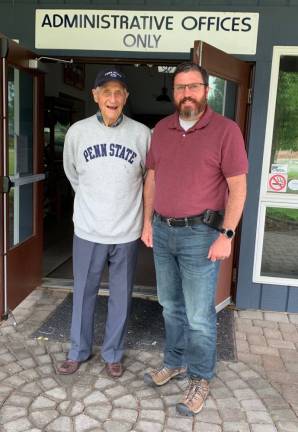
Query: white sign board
(153, 31)
(279, 168)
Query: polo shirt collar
(200, 124)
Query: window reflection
(222, 96)
(20, 122)
(20, 154)
(59, 137)
(11, 127)
(280, 247)
(284, 153)
(20, 213)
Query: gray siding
(276, 27)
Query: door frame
(26, 254)
(241, 116)
(226, 66)
(2, 133)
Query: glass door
(229, 95)
(21, 175)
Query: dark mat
(145, 330)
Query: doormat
(145, 329)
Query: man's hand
(147, 237)
(220, 249)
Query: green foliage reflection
(216, 94)
(282, 214)
(285, 134)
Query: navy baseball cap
(110, 74)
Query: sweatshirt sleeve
(148, 141)
(69, 160)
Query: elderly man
(104, 160)
(197, 168)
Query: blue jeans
(186, 285)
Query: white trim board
(269, 199)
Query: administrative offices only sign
(154, 31)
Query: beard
(191, 113)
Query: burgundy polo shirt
(191, 166)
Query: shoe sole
(67, 371)
(114, 376)
(183, 410)
(149, 380)
(58, 372)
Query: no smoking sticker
(277, 182)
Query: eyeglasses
(193, 87)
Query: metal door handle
(5, 184)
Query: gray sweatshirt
(106, 167)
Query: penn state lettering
(112, 150)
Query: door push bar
(6, 182)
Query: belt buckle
(169, 221)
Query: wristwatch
(228, 232)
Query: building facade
(260, 39)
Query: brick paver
(258, 393)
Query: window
(276, 249)
(20, 161)
(222, 96)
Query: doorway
(149, 101)
(66, 102)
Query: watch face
(229, 233)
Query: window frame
(271, 199)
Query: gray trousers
(88, 263)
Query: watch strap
(228, 232)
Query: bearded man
(197, 166)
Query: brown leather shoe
(68, 367)
(114, 370)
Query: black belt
(180, 222)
